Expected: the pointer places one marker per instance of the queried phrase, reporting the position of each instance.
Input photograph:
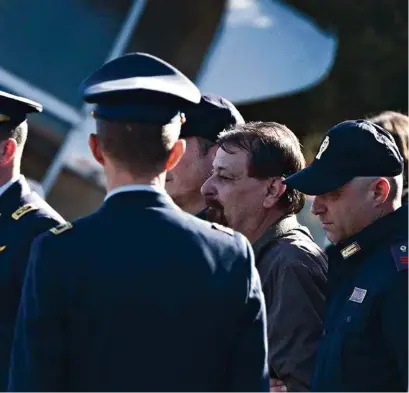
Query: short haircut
(273, 150)
(137, 147)
(398, 125)
(19, 133)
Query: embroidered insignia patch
(222, 228)
(400, 255)
(20, 212)
(350, 250)
(358, 295)
(61, 228)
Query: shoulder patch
(222, 228)
(400, 255)
(61, 228)
(23, 210)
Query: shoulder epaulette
(222, 228)
(400, 255)
(61, 228)
(23, 210)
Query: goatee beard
(216, 215)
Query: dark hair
(137, 147)
(273, 150)
(398, 126)
(19, 133)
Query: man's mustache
(215, 212)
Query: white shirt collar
(136, 187)
(6, 186)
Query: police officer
(144, 297)
(23, 215)
(205, 122)
(357, 179)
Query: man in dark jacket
(246, 192)
(357, 179)
(23, 215)
(140, 296)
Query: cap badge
(4, 118)
(323, 147)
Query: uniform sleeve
(295, 326)
(394, 317)
(248, 369)
(39, 345)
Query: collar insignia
(350, 250)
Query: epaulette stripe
(23, 210)
(61, 228)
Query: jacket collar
(141, 199)
(14, 196)
(275, 231)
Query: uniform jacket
(365, 338)
(293, 273)
(141, 296)
(23, 215)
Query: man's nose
(208, 187)
(317, 207)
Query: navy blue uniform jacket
(141, 296)
(365, 339)
(23, 216)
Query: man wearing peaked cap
(205, 122)
(23, 215)
(144, 297)
(357, 179)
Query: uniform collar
(372, 235)
(13, 180)
(135, 187)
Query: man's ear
(275, 188)
(176, 154)
(380, 188)
(95, 146)
(8, 149)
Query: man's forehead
(234, 159)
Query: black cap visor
(317, 179)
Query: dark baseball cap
(353, 148)
(210, 117)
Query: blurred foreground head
(398, 125)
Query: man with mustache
(357, 181)
(246, 192)
(204, 122)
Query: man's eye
(224, 178)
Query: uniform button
(348, 318)
(324, 332)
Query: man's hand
(277, 386)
